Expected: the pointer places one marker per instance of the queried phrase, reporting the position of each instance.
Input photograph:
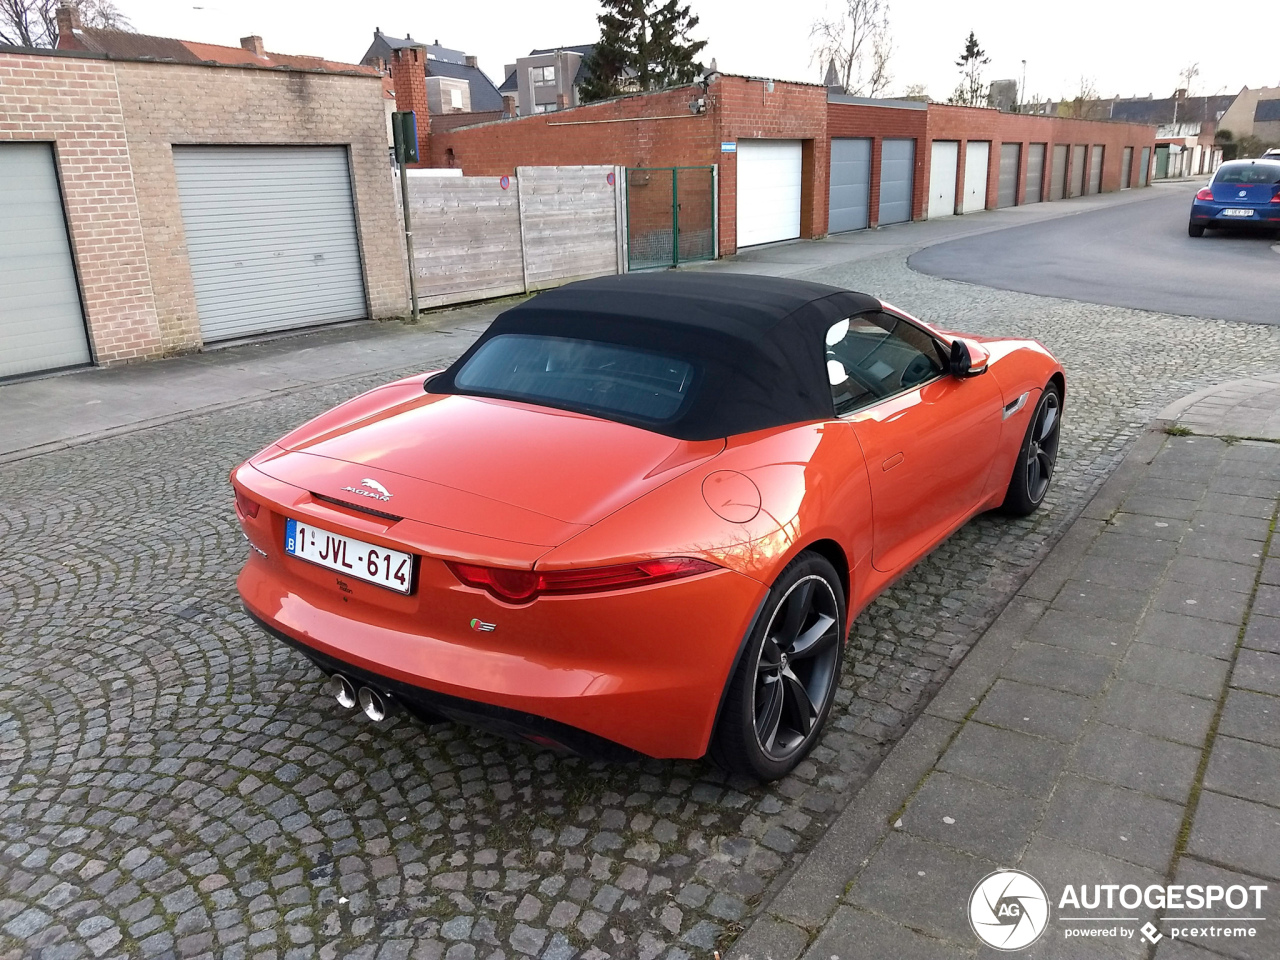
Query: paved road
(172, 782)
(1135, 255)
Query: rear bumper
(1210, 215)
(642, 669)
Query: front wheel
(1037, 457)
(1195, 229)
(781, 692)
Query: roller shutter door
(271, 235)
(1058, 185)
(41, 323)
(943, 160)
(1144, 169)
(1126, 169)
(850, 184)
(897, 172)
(1095, 169)
(1010, 160)
(977, 161)
(768, 191)
(1077, 170)
(1035, 174)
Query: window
(1249, 173)
(542, 75)
(875, 355)
(455, 98)
(583, 375)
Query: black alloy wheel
(785, 683)
(1038, 457)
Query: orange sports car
(638, 515)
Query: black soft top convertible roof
(757, 342)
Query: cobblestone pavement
(172, 782)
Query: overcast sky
(1125, 48)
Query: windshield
(582, 375)
(1248, 173)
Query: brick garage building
(984, 158)
(123, 141)
(730, 123)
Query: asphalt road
(1135, 255)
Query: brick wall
(114, 124)
(965, 124)
(75, 104)
(210, 105)
(658, 130)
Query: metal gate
(850, 184)
(671, 216)
(1035, 174)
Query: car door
(928, 437)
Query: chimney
(253, 45)
(508, 105)
(68, 23)
(473, 61)
(409, 77)
(562, 101)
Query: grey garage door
(1035, 174)
(1010, 160)
(1126, 169)
(1095, 169)
(1058, 176)
(271, 233)
(850, 183)
(1144, 169)
(41, 324)
(1077, 170)
(897, 168)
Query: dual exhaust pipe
(374, 705)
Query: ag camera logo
(1008, 910)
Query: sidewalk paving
(1119, 723)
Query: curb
(808, 899)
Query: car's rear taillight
(247, 507)
(521, 586)
(1205, 193)
(1276, 198)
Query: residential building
(455, 82)
(547, 80)
(170, 194)
(1254, 114)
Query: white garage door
(271, 233)
(41, 325)
(977, 160)
(945, 155)
(768, 191)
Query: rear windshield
(582, 375)
(1248, 173)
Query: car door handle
(893, 461)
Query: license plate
(1237, 213)
(355, 558)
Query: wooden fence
(481, 237)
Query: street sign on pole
(404, 134)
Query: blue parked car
(1242, 193)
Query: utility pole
(404, 131)
(1022, 87)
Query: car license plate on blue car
(1237, 213)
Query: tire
(1037, 456)
(1195, 229)
(777, 701)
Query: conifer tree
(643, 45)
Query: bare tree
(915, 91)
(1086, 104)
(34, 23)
(857, 41)
(1186, 76)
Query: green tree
(969, 92)
(643, 45)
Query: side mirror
(968, 358)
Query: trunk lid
(496, 468)
(1244, 194)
